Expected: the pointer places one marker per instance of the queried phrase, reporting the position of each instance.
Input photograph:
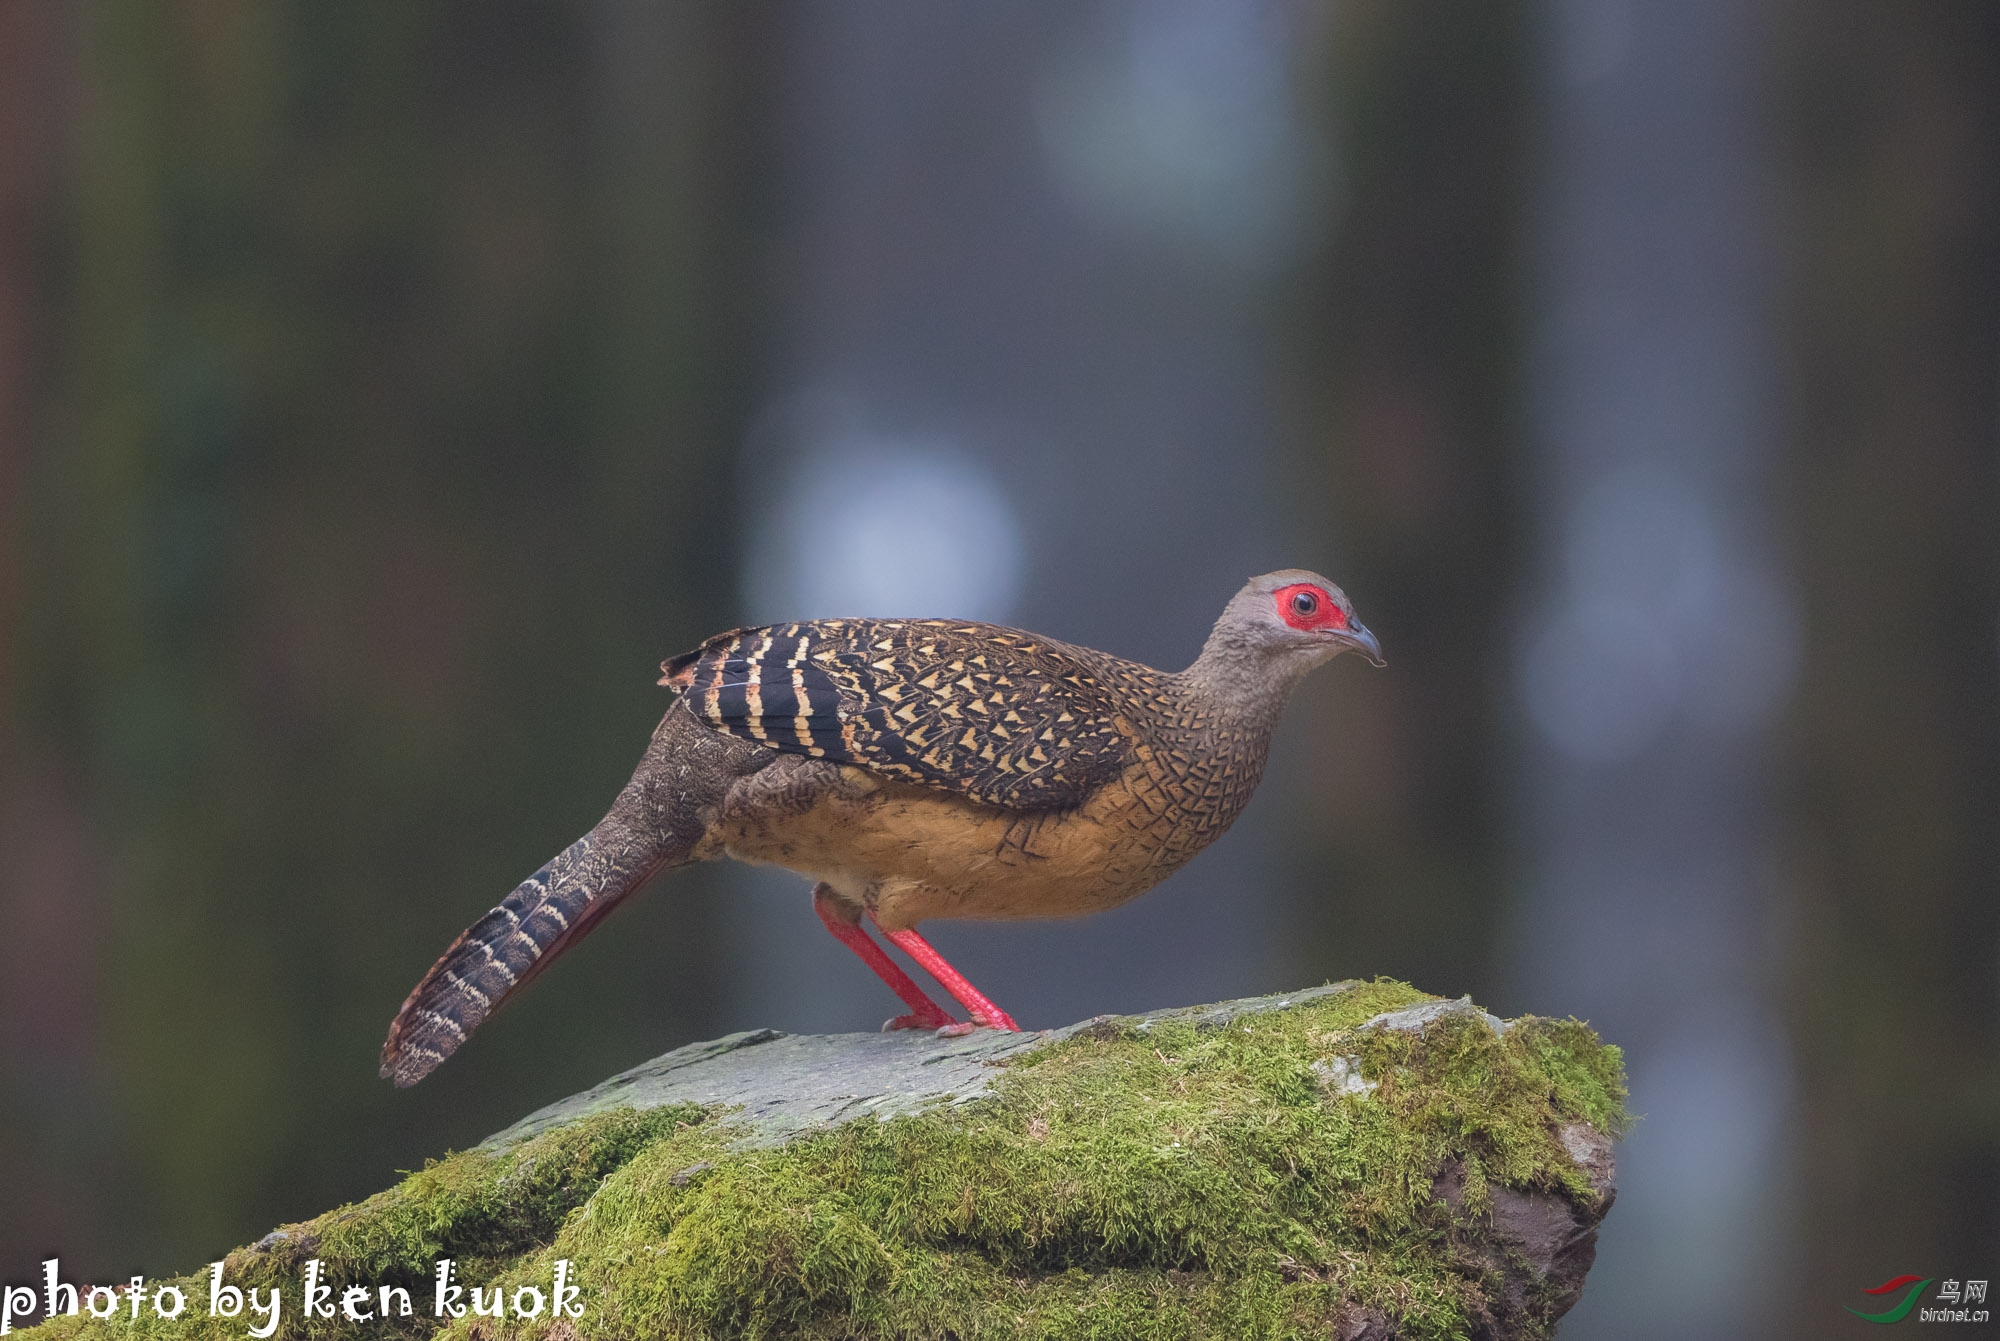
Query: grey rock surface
(783, 1085)
(1412, 1019)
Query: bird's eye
(1304, 603)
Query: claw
(919, 1021)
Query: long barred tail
(653, 826)
(504, 950)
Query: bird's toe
(915, 1021)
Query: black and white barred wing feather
(994, 714)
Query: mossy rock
(1359, 1160)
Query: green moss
(1171, 1181)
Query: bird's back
(997, 715)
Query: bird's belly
(912, 853)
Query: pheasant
(913, 768)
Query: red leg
(982, 1010)
(924, 1012)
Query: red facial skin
(1325, 614)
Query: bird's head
(1295, 618)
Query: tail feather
(657, 822)
(502, 952)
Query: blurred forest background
(385, 389)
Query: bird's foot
(931, 1019)
(946, 1027)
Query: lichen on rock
(1328, 1163)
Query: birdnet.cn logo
(1954, 1301)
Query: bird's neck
(1239, 686)
(1216, 724)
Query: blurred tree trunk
(392, 364)
(1413, 333)
(1893, 113)
(46, 922)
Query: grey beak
(1361, 640)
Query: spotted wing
(994, 714)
